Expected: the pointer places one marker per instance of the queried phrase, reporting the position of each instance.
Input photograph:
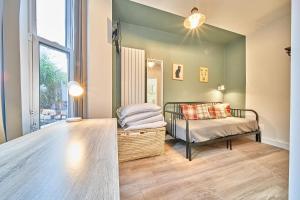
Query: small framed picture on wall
(203, 74)
(178, 72)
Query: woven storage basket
(141, 143)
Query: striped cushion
(189, 111)
(202, 111)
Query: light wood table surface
(64, 161)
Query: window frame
(34, 48)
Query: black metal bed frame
(173, 109)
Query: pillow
(228, 110)
(145, 126)
(154, 119)
(222, 110)
(211, 111)
(189, 111)
(202, 111)
(137, 117)
(132, 109)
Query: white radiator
(132, 76)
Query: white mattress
(204, 130)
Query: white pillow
(125, 111)
(137, 117)
(157, 118)
(144, 126)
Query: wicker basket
(142, 143)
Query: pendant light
(195, 20)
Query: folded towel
(143, 126)
(137, 117)
(129, 110)
(157, 118)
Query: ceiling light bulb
(195, 20)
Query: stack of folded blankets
(140, 116)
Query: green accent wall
(235, 73)
(221, 51)
(190, 53)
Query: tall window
(51, 20)
(52, 54)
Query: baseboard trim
(276, 143)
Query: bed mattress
(204, 130)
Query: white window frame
(34, 49)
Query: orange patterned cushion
(189, 111)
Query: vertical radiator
(132, 76)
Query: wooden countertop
(63, 161)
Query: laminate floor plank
(250, 171)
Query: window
(53, 85)
(51, 20)
(52, 60)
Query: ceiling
(135, 13)
(240, 16)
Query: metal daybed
(181, 128)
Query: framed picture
(178, 72)
(204, 74)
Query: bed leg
(227, 144)
(259, 137)
(230, 144)
(190, 152)
(186, 150)
(187, 138)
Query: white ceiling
(240, 16)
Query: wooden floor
(251, 171)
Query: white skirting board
(132, 76)
(276, 143)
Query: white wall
(24, 65)
(99, 59)
(268, 79)
(2, 134)
(294, 173)
(11, 55)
